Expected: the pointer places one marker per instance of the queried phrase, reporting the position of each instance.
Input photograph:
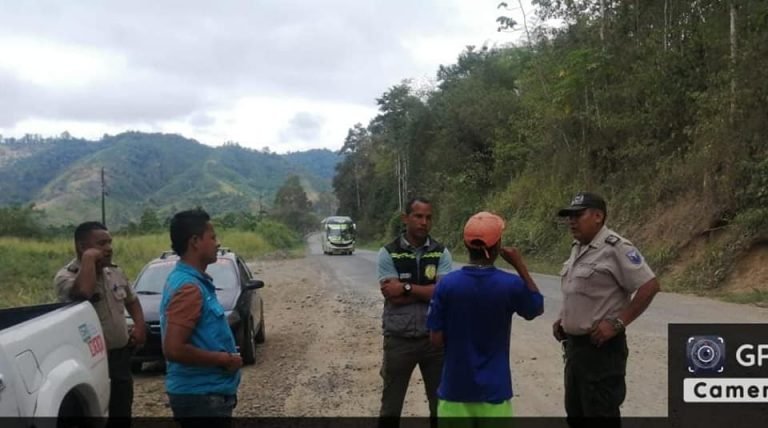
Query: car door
(254, 296)
(9, 406)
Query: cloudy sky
(288, 75)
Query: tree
(326, 204)
(399, 109)
(292, 206)
(21, 221)
(643, 101)
(149, 221)
(357, 137)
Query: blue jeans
(185, 406)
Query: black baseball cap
(582, 201)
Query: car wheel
(261, 335)
(247, 342)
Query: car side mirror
(254, 284)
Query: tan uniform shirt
(598, 280)
(113, 291)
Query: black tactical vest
(411, 320)
(416, 270)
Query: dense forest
(658, 105)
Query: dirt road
(323, 350)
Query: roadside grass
(755, 297)
(28, 266)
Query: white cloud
(56, 65)
(230, 71)
(303, 126)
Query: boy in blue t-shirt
(471, 316)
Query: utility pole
(103, 193)
(398, 173)
(261, 207)
(734, 50)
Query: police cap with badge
(582, 201)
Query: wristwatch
(407, 287)
(618, 324)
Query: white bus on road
(338, 235)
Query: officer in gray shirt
(92, 276)
(408, 270)
(606, 285)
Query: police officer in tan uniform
(93, 277)
(606, 285)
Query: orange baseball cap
(483, 230)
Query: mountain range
(162, 172)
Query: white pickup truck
(53, 362)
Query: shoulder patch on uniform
(612, 239)
(634, 257)
(72, 268)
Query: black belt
(395, 336)
(578, 339)
(586, 339)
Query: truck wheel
(247, 342)
(71, 412)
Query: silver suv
(236, 289)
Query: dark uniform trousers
(121, 386)
(594, 378)
(401, 356)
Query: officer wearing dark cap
(606, 285)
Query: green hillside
(161, 172)
(661, 110)
(320, 163)
(31, 165)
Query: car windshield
(152, 280)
